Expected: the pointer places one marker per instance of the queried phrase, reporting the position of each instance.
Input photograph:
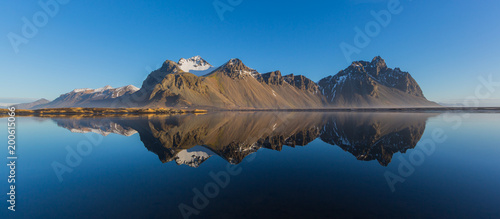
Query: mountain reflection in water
(191, 139)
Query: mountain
(374, 136)
(86, 125)
(89, 97)
(372, 84)
(32, 104)
(230, 86)
(194, 83)
(192, 139)
(195, 65)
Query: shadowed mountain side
(375, 136)
(373, 84)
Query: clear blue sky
(445, 45)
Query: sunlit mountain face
(195, 83)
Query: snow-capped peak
(89, 90)
(195, 65)
(119, 91)
(107, 87)
(129, 88)
(80, 90)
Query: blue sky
(445, 45)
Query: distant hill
(87, 97)
(32, 104)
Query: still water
(258, 165)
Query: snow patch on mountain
(128, 87)
(252, 73)
(105, 88)
(115, 130)
(116, 91)
(195, 65)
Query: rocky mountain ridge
(234, 85)
(372, 84)
(87, 96)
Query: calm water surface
(258, 165)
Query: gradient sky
(445, 45)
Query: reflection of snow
(113, 128)
(194, 156)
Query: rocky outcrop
(230, 86)
(372, 84)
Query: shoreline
(78, 111)
(388, 109)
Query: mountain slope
(32, 104)
(372, 84)
(236, 86)
(374, 136)
(232, 85)
(88, 97)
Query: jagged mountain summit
(372, 84)
(89, 97)
(232, 85)
(195, 65)
(235, 68)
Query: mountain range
(195, 83)
(87, 96)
